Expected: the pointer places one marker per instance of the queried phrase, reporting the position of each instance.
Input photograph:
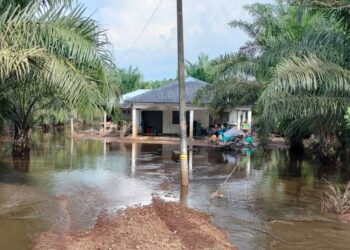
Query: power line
(142, 31)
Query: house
(127, 109)
(155, 112)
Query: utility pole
(182, 101)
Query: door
(152, 122)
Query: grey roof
(123, 99)
(170, 93)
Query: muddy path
(161, 225)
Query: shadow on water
(272, 200)
(21, 165)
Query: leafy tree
(156, 84)
(50, 55)
(298, 54)
(309, 86)
(202, 69)
(130, 79)
(20, 4)
(229, 93)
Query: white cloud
(206, 30)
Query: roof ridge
(154, 90)
(156, 94)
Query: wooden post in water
(104, 122)
(182, 100)
(72, 125)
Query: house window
(175, 117)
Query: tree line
(294, 69)
(56, 63)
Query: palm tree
(202, 69)
(229, 93)
(130, 79)
(298, 53)
(310, 86)
(50, 54)
(280, 39)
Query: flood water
(273, 199)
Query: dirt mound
(161, 225)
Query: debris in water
(217, 194)
(220, 192)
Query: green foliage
(20, 4)
(308, 90)
(130, 79)
(229, 93)
(299, 55)
(347, 117)
(202, 69)
(156, 84)
(54, 58)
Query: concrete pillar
(191, 124)
(235, 115)
(239, 119)
(250, 120)
(135, 125)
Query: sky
(206, 30)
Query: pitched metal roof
(170, 93)
(123, 99)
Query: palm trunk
(21, 145)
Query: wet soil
(161, 225)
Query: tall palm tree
(298, 52)
(310, 86)
(50, 54)
(130, 79)
(202, 69)
(281, 39)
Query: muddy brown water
(272, 201)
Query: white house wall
(168, 126)
(239, 115)
(202, 116)
(233, 117)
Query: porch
(163, 120)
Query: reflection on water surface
(272, 201)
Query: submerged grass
(336, 199)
